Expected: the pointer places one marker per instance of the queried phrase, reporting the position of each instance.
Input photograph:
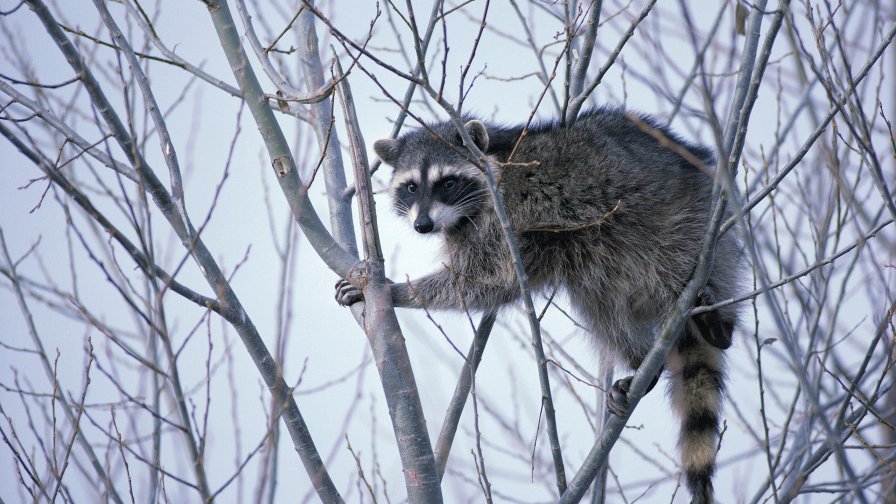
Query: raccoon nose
(423, 224)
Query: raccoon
(612, 209)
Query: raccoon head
(433, 185)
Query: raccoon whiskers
(471, 200)
(401, 208)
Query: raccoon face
(433, 186)
(437, 197)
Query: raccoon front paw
(617, 397)
(347, 294)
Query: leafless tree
(124, 287)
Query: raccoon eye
(449, 183)
(412, 188)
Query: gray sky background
(324, 343)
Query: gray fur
(600, 209)
(478, 131)
(388, 150)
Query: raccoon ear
(388, 150)
(476, 130)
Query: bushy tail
(697, 371)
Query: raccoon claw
(347, 294)
(705, 297)
(617, 397)
(713, 329)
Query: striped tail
(697, 372)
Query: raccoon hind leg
(712, 326)
(631, 347)
(617, 397)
